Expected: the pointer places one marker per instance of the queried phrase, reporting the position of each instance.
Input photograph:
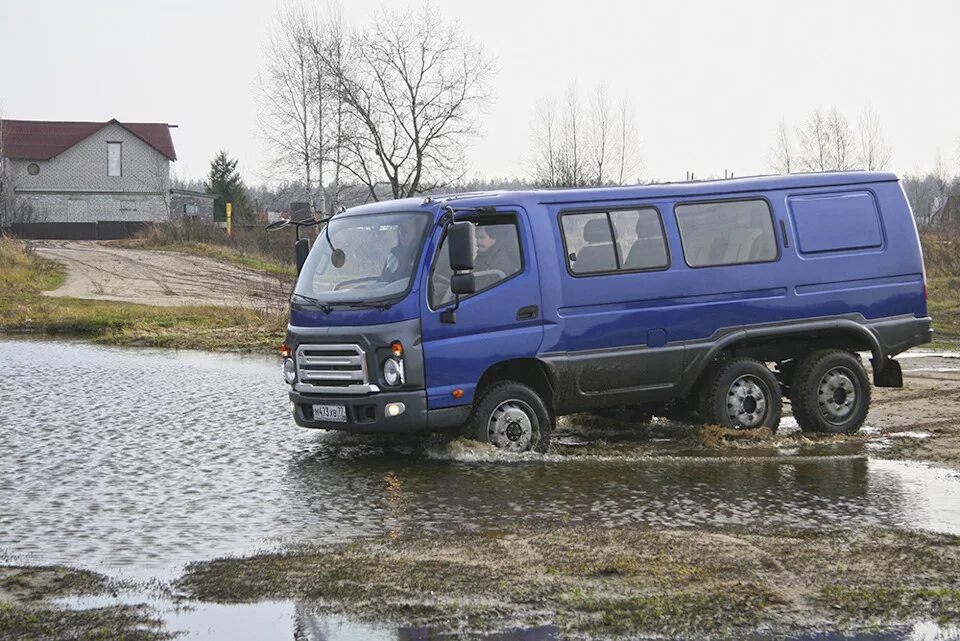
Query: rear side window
(726, 233)
(620, 240)
(835, 222)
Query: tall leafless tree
(843, 144)
(814, 137)
(626, 145)
(874, 150)
(601, 136)
(782, 156)
(546, 145)
(290, 118)
(412, 97)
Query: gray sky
(709, 81)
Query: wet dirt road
(101, 271)
(134, 462)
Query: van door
(501, 321)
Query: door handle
(527, 313)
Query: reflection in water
(136, 461)
(304, 622)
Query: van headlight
(289, 370)
(393, 371)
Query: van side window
(589, 243)
(640, 242)
(727, 233)
(498, 258)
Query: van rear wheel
(741, 393)
(511, 416)
(830, 393)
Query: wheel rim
(837, 395)
(747, 402)
(513, 426)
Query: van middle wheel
(830, 392)
(512, 417)
(741, 393)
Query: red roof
(44, 139)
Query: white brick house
(89, 172)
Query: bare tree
(814, 137)
(412, 99)
(843, 144)
(873, 147)
(546, 145)
(289, 114)
(574, 150)
(600, 140)
(572, 170)
(782, 157)
(626, 145)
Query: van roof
(721, 187)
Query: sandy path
(103, 272)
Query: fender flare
(695, 369)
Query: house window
(191, 209)
(114, 159)
(33, 169)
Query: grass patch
(621, 581)
(127, 623)
(26, 613)
(23, 309)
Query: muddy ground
(100, 271)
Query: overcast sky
(709, 81)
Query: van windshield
(363, 258)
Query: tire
(830, 393)
(742, 393)
(513, 417)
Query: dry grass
(252, 247)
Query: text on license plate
(334, 413)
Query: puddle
(192, 621)
(135, 462)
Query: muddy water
(134, 462)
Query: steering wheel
(339, 286)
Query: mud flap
(889, 376)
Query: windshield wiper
(326, 308)
(382, 305)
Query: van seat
(597, 255)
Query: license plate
(332, 413)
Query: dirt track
(102, 272)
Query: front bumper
(367, 413)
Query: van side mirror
(463, 284)
(462, 239)
(302, 248)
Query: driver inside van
(403, 253)
(493, 251)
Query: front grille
(332, 369)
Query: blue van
(498, 312)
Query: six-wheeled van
(498, 312)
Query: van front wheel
(742, 393)
(512, 417)
(830, 393)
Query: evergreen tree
(225, 182)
